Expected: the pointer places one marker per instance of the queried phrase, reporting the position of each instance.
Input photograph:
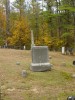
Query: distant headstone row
(67, 51)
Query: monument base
(40, 67)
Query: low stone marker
(71, 98)
(74, 62)
(17, 63)
(73, 75)
(40, 59)
(24, 73)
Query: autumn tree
(2, 24)
(20, 31)
(21, 35)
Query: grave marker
(40, 59)
(63, 50)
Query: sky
(11, 0)
(26, 0)
(14, 0)
(40, 1)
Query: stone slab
(40, 59)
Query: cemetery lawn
(56, 84)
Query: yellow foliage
(21, 33)
(2, 21)
(51, 42)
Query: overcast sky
(27, 0)
(40, 1)
(11, 0)
(14, 0)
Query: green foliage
(66, 7)
(57, 43)
(53, 27)
(66, 75)
(1, 42)
(53, 43)
(65, 35)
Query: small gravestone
(24, 47)
(17, 63)
(40, 59)
(71, 98)
(24, 73)
(73, 75)
(63, 50)
(73, 62)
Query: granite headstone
(40, 59)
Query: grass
(56, 84)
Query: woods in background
(53, 23)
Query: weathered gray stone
(40, 59)
(17, 63)
(40, 67)
(74, 62)
(71, 98)
(24, 73)
(73, 75)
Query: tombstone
(24, 73)
(69, 51)
(63, 50)
(73, 76)
(17, 63)
(24, 47)
(71, 98)
(40, 59)
(74, 62)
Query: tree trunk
(7, 17)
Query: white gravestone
(24, 47)
(40, 59)
(63, 50)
